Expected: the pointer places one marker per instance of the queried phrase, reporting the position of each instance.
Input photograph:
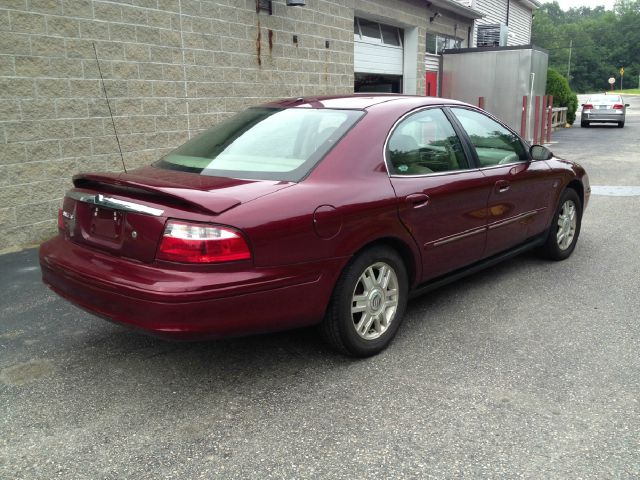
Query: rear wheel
(584, 124)
(565, 227)
(620, 124)
(368, 303)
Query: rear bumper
(188, 305)
(595, 116)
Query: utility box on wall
(502, 75)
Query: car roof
(359, 101)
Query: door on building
(431, 84)
(378, 57)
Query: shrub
(563, 96)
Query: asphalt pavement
(530, 369)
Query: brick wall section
(171, 68)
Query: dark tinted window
(264, 143)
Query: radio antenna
(104, 89)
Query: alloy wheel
(567, 222)
(374, 301)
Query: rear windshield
(264, 144)
(605, 99)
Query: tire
(368, 303)
(584, 124)
(565, 228)
(620, 124)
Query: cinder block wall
(172, 68)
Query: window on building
(390, 35)
(494, 35)
(437, 42)
(374, 32)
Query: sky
(567, 4)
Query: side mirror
(538, 152)
(627, 105)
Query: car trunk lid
(125, 213)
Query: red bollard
(523, 119)
(536, 121)
(481, 102)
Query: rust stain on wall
(259, 44)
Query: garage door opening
(371, 82)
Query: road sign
(622, 71)
(612, 81)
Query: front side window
(494, 144)
(264, 144)
(425, 143)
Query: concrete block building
(173, 68)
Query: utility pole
(569, 65)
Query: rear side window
(264, 144)
(494, 144)
(425, 143)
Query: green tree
(563, 96)
(601, 42)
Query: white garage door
(377, 48)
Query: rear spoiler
(154, 190)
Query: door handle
(502, 186)
(418, 199)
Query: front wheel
(368, 303)
(565, 227)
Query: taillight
(618, 106)
(201, 243)
(587, 106)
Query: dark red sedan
(329, 211)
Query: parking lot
(529, 369)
